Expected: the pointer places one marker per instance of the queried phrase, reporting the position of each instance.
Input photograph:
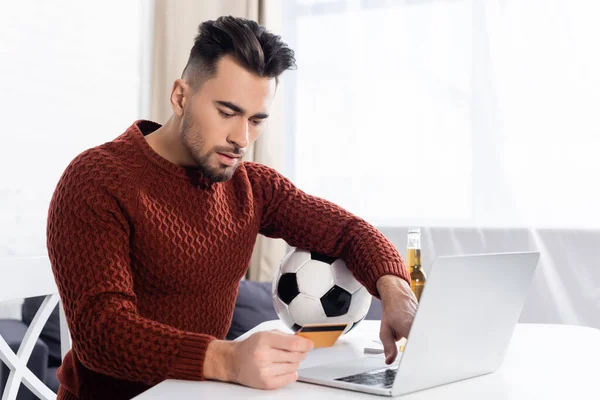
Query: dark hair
(249, 43)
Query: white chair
(22, 278)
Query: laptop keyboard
(381, 377)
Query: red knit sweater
(148, 257)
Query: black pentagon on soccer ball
(296, 327)
(336, 302)
(287, 288)
(322, 257)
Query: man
(150, 234)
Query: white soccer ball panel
(275, 281)
(343, 277)
(347, 328)
(283, 312)
(314, 278)
(342, 319)
(294, 260)
(307, 310)
(359, 306)
(285, 259)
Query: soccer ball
(311, 288)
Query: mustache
(235, 150)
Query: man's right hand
(265, 360)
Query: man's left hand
(399, 306)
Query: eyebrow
(240, 110)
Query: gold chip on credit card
(322, 335)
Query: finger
(280, 381)
(398, 334)
(405, 327)
(284, 356)
(277, 369)
(389, 344)
(293, 343)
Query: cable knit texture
(148, 257)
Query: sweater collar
(141, 128)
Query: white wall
(11, 309)
(70, 78)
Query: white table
(543, 362)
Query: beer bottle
(413, 260)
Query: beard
(192, 140)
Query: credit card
(322, 335)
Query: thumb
(389, 343)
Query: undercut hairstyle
(249, 43)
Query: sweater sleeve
(315, 224)
(88, 245)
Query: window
(71, 78)
(447, 113)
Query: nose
(239, 136)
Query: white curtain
(176, 26)
(475, 120)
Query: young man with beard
(150, 234)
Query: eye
(224, 114)
(256, 122)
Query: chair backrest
(21, 278)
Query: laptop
(464, 323)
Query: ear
(179, 96)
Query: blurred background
(476, 121)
